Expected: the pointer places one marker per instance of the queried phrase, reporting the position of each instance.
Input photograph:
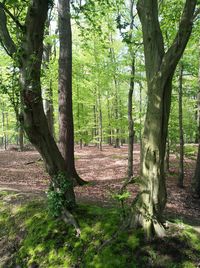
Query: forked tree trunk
(160, 67)
(66, 125)
(34, 120)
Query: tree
(196, 179)
(66, 125)
(181, 138)
(130, 97)
(47, 88)
(160, 67)
(29, 57)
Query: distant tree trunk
(66, 125)
(196, 178)
(130, 98)
(167, 156)
(100, 122)
(160, 67)
(130, 120)
(78, 118)
(95, 123)
(21, 138)
(181, 139)
(4, 131)
(140, 134)
(116, 95)
(109, 122)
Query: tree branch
(5, 37)
(174, 53)
(152, 36)
(12, 16)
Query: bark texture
(130, 98)
(47, 91)
(196, 178)
(160, 67)
(181, 138)
(66, 125)
(34, 119)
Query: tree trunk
(196, 178)
(100, 121)
(130, 120)
(4, 131)
(160, 67)
(167, 154)
(66, 125)
(116, 95)
(47, 91)
(181, 139)
(21, 137)
(109, 122)
(35, 122)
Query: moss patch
(32, 238)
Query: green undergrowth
(32, 238)
(190, 151)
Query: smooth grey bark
(47, 91)
(34, 120)
(100, 120)
(116, 95)
(181, 138)
(66, 124)
(160, 67)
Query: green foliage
(41, 240)
(120, 197)
(190, 150)
(56, 194)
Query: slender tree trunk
(100, 121)
(196, 178)
(181, 139)
(167, 156)
(130, 119)
(95, 123)
(109, 122)
(21, 137)
(130, 97)
(116, 100)
(4, 131)
(66, 125)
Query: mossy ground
(30, 237)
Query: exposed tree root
(70, 219)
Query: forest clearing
(99, 133)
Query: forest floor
(105, 171)
(23, 180)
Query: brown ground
(104, 170)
